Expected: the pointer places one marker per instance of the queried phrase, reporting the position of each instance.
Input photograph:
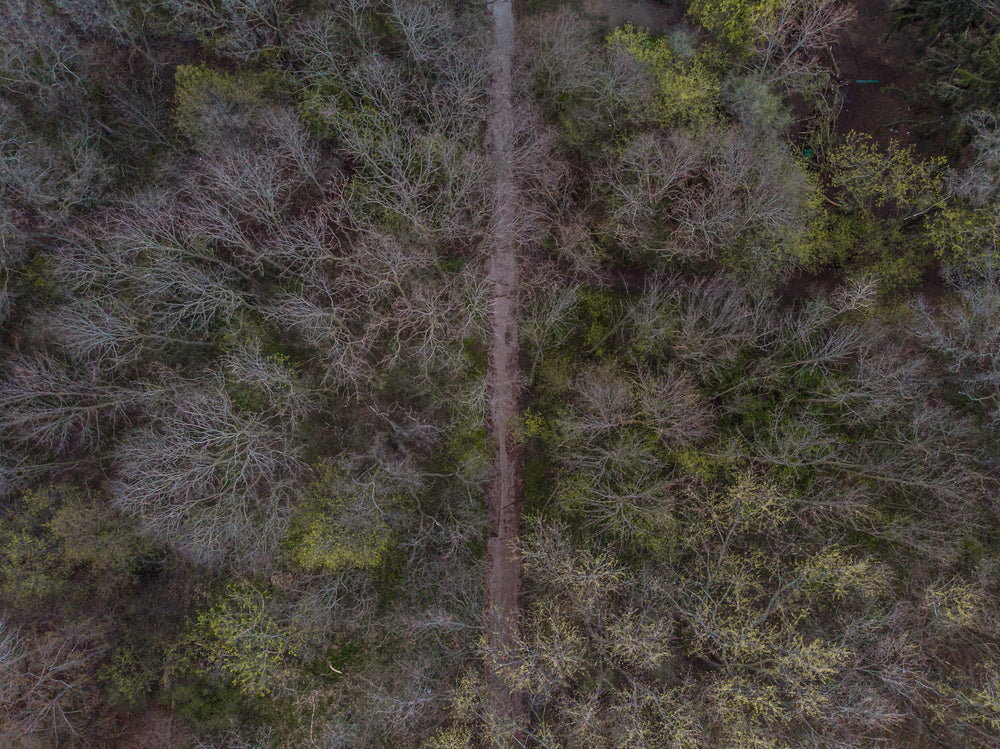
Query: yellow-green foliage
(598, 310)
(750, 504)
(555, 372)
(861, 242)
(749, 605)
(738, 23)
(26, 576)
(555, 653)
(57, 531)
(880, 198)
(961, 234)
(469, 448)
(37, 277)
(342, 524)
(970, 705)
(128, 681)
(465, 709)
(533, 425)
(583, 578)
(699, 463)
(451, 738)
(754, 599)
(868, 178)
(209, 102)
(687, 90)
(953, 605)
(839, 574)
(320, 547)
(831, 239)
(239, 636)
(984, 704)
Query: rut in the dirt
(505, 497)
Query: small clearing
(876, 69)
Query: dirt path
(505, 497)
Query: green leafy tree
(687, 89)
(882, 200)
(738, 23)
(239, 636)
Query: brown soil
(657, 17)
(505, 497)
(870, 50)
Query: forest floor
(657, 17)
(505, 498)
(877, 73)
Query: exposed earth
(505, 498)
(658, 17)
(877, 76)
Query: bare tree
(53, 405)
(709, 324)
(38, 54)
(210, 480)
(429, 29)
(611, 475)
(272, 380)
(432, 182)
(184, 299)
(241, 29)
(594, 92)
(964, 331)
(980, 180)
(388, 304)
(792, 41)
(52, 179)
(605, 403)
(653, 173)
(46, 683)
(674, 408)
(674, 197)
(414, 127)
(327, 42)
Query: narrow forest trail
(505, 497)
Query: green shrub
(832, 239)
(961, 234)
(961, 63)
(343, 522)
(58, 531)
(241, 638)
(212, 106)
(882, 198)
(205, 703)
(872, 180)
(753, 104)
(238, 29)
(129, 678)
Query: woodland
(245, 375)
